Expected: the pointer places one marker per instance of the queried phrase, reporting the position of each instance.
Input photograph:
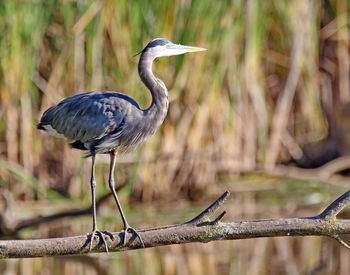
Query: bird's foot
(100, 234)
(131, 230)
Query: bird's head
(162, 47)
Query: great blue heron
(103, 123)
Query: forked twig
(341, 241)
(331, 212)
(335, 207)
(204, 215)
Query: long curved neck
(159, 107)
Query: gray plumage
(95, 121)
(104, 122)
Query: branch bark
(199, 229)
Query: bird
(107, 122)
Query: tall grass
(274, 74)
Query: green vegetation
(274, 78)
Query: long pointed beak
(185, 49)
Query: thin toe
(133, 231)
(109, 234)
(101, 237)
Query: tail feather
(78, 145)
(40, 126)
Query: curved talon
(101, 236)
(109, 234)
(129, 229)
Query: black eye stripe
(157, 42)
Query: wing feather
(87, 117)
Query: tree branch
(199, 229)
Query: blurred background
(264, 113)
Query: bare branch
(211, 209)
(326, 173)
(335, 207)
(339, 240)
(199, 229)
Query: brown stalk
(199, 229)
(285, 100)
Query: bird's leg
(111, 183)
(95, 231)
